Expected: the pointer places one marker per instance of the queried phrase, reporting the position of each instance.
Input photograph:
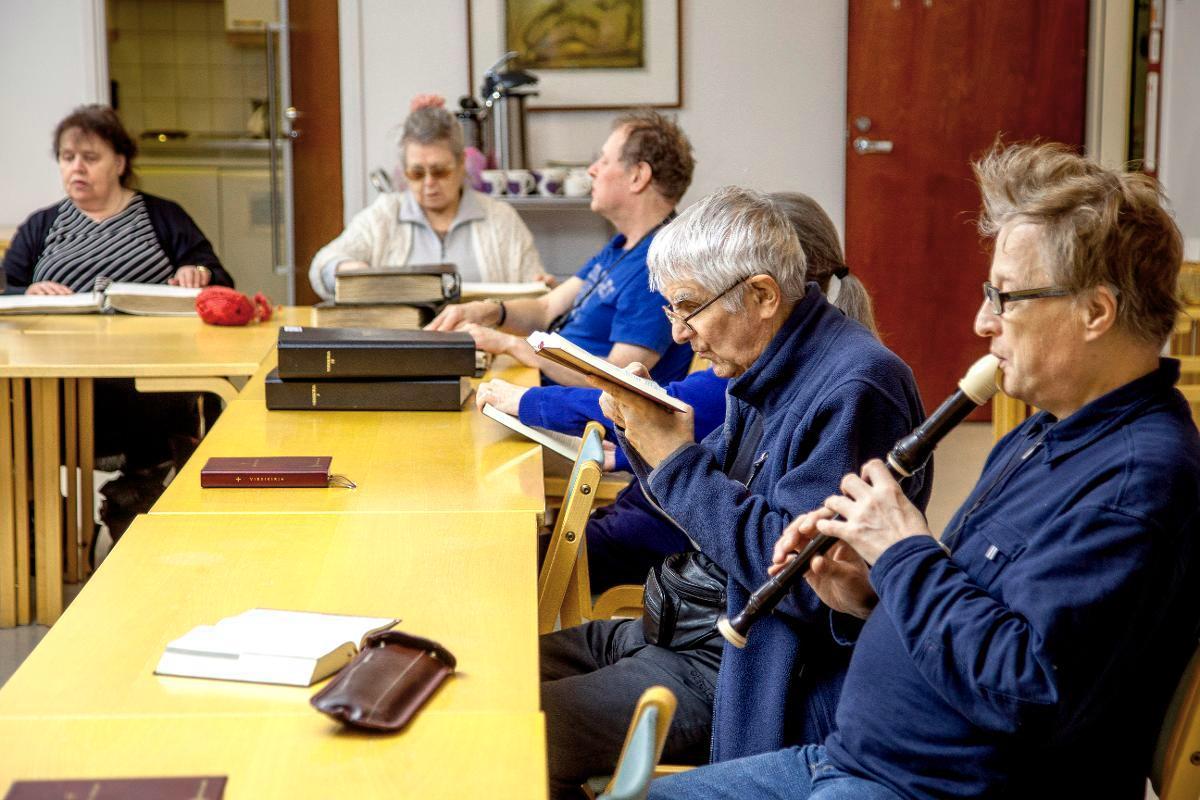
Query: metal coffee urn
(503, 114)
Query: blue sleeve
(738, 528)
(568, 409)
(639, 319)
(1005, 665)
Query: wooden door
(940, 80)
(317, 149)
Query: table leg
(47, 501)
(70, 417)
(87, 476)
(21, 477)
(8, 512)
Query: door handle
(864, 146)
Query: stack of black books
(371, 369)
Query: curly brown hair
(102, 122)
(661, 143)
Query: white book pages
(565, 445)
(269, 646)
(151, 290)
(478, 290)
(81, 303)
(569, 354)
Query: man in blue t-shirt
(607, 307)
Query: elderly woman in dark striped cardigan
(104, 227)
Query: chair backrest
(643, 745)
(568, 528)
(1175, 771)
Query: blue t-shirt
(621, 308)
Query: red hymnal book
(209, 787)
(278, 471)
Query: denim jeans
(792, 774)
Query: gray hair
(729, 235)
(1098, 227)
(429, 126)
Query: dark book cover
(324, 353)
(417, 394)
(266, 471)
(204, 787)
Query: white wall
(48, 58)
(764, 92)
(1180, 147)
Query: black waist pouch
(684, 596)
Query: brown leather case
(387, 682)
(280, 471)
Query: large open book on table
(154, 299)
(564, 444)
(263, 645)
(560, 350)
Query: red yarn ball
(220, 305)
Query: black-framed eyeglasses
(997, 298)
(685, 319)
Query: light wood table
(467, 581)
(437, 756)
(401, 461)
(48, 362)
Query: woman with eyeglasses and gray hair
(438, 219)
(811, 396)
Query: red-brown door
(939, 80)
(317, 150)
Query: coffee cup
(551, 180)
(520, 181)
(578, 183)
(495, 182)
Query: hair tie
(841, 272)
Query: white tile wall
(176, 67)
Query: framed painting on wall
(587, 54)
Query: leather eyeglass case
(386, 684)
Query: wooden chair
(643, 746)
(619, 601)
(567, 536)
(1175, 771)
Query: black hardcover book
(324, 353)
(415, 394)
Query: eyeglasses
(997, 298)
(685, 320)
(417, 172)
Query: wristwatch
(503, 312)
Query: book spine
(342, 361)
(417, 395)
(220, 479)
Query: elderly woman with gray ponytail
(437, 219)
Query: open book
(132, 298)
(560, 350)
(263, 645)
(564, 444)
(502, 291)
